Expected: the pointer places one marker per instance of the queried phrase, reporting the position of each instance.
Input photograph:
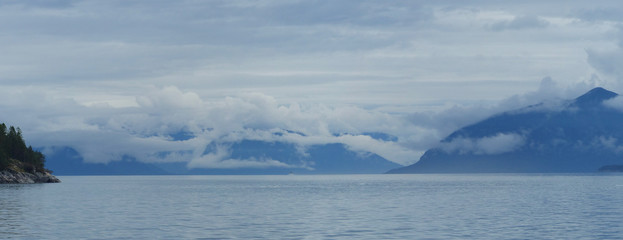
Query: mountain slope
(581, 135)
(318, 159)
(67, 161)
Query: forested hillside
(15, 155)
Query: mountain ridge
(580, 135)
(334, 158)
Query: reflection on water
(316, 207)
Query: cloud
(520, 22)
(294, 50)
(40, 3)
(220, 159)
(606, 59)
(607, 62)
(147, 129)
(398, 152)
(608, 143)
(115, 78)
(616, 103)
(350, 12)
(498, 144)
(169, 98)
(609, 13)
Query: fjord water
(469, 206)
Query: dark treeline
(14, 154)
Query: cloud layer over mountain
(159, 80)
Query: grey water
(470, 206)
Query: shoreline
(13, 177)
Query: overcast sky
(113, 78)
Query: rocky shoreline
(9, 176)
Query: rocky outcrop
(10, 176)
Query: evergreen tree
(15, 154)
(4, 158)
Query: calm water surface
(316, 207)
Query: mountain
(67, 161)
(611, 168)
(580, 135)
(318, 159)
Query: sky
(125, 78)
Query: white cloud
(170, 98)
(238, 163)
(103, 133)
(88, 74)
(616, 103)
(220, 159)
(144, 131)
(609, 143)
(500, 143)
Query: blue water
(316, 207)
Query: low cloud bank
(616, 103)
(220, 159)
(500, 143)
(171, 125)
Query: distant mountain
(67, 161)
(581, 135)
(318, 159)
(611, 168)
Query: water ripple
(316, 207)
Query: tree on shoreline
(15, 155)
